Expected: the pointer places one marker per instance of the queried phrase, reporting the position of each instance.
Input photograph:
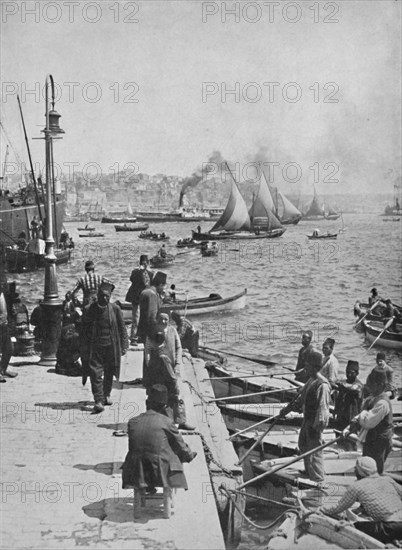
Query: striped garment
(89, 285)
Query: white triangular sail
(263, 208)
(235, 216)
(289, 210)
(315, 208)
(129, 209)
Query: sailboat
(316, 212)
(396, 209)
(237, 222)
(285, 211)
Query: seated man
(379, 496)
(156, 449)
(189, 337)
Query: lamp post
(51, 305)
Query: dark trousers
(378, 450)
(6, 348)
(101, 371)
(384, 531)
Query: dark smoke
(201, 173)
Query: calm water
(293, 284)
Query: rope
(251, 522)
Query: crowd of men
(364, 409)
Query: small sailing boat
(285, 211)
(317, 212)
(237, 222)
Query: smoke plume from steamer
(215, 160)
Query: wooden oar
(233, 436)
(289, 463)
(240, 396)
(367, 312)
(264, 362)
(388, 324)
(274, 421)
(241, 376)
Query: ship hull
(15, 220)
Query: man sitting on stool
(156, 449)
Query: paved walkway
(61, 477)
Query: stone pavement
(61, 477)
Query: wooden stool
(140, 501)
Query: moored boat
(196, 306)
(92, 234)
(121, 219)
(374, 332)
(19, 261)
(131, 227)
(87, 228)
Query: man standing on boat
(349, 397)
(314, 399)
(304, 353)
(89, 284)
(141, 279)
(330, 365)
(375, 422)
(381, 366)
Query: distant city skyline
(320, 101)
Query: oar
(367, 312)
(240, 396)
(388, 324)
(274, 421)
(241, 376)
(253, 359)
(289, 463)
(263, 421)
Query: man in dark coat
(156, 448)
(140, 278)
(105, 336)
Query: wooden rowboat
(196, 306)
(86, 229)
(361, 310)
(307, 531)
(324, 236)
(19, 261)
(160, 263)
(388, 339)
(131, 227)
(92, 234)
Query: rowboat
(160, 262)
(131, 227)
(195, 306)
(209, 249)
(86, 229)
(362, 310)
(188, 243)
(92, 234)
(283, 388)
(387, 339)
(323, 236)
(108, 219)
(153, 236)
(18, 261)
(303, 530)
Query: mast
(30, 162)
(4, 169)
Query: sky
(312, 88)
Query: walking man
(89, 284)
(106, 338)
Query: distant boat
(20, 261)
(237, 223)
(131, 227)
(316, 212)
(86, 228)
(317, 235)
(121, 219)
(285, 211)
(391, 219)
(92, 234)
(394, 210)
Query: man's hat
(330, 342)
(158, 394)
(380, 356)
(374, 290)
(159, 279)
(143, 258)
(89, 264)
(366, 466)
(314, 360)
(107, 286)
(353, 365)
(308, 333)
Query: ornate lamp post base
(51, 315)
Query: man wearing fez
(140, 278)
(375, 422)
(349, 396)
(89, 283)
(151, 300)
(304, 353)
(314, 399)
(156, 449)
(105, 334)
